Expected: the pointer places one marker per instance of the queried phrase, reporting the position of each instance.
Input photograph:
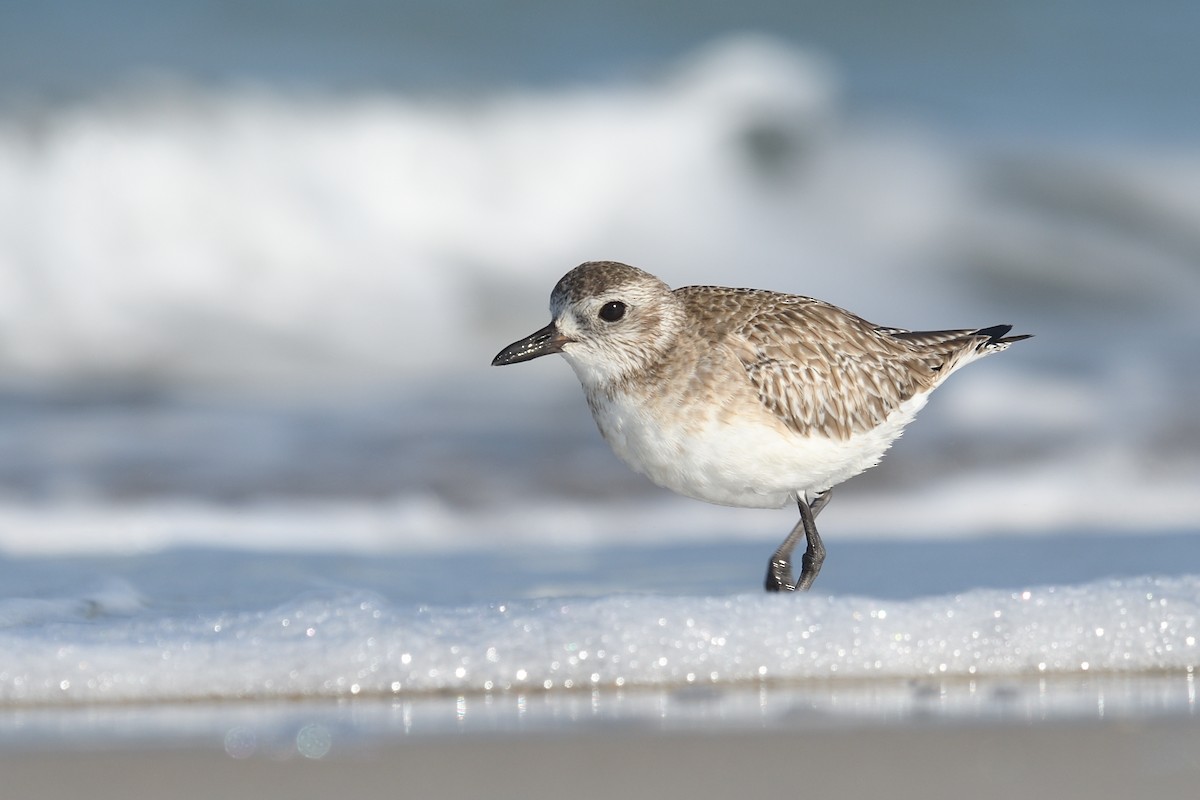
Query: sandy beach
(1157, 758)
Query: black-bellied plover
(744, 397)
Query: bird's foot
(810, 566)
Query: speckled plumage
(742, 397)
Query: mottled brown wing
(817, 367)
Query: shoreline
(947, 683)
(249, 727)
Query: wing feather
(819, 368)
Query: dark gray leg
(814, 552)
(779, 571)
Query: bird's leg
(814, 552)
(819, 502)
(779, 571)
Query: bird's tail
(996, 340)
(951, 349)
(985, 339)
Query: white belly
(748, 462)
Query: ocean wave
(343, 644)
(251, 236)
(242, 234)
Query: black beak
(541, 343)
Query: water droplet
(314, 741)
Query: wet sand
(1156, 758)
(1071, 736)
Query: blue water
(208, 580)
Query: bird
(744, 397)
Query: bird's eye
(611, 312)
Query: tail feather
(996, 339)
(954, 348)
(995, 336)
(927, 338)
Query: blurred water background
(255, 259)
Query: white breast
(748, 462)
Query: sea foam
(355, 644)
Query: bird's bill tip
(543, 342)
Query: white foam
(216, 235)
(343, 645)
(244, 235)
